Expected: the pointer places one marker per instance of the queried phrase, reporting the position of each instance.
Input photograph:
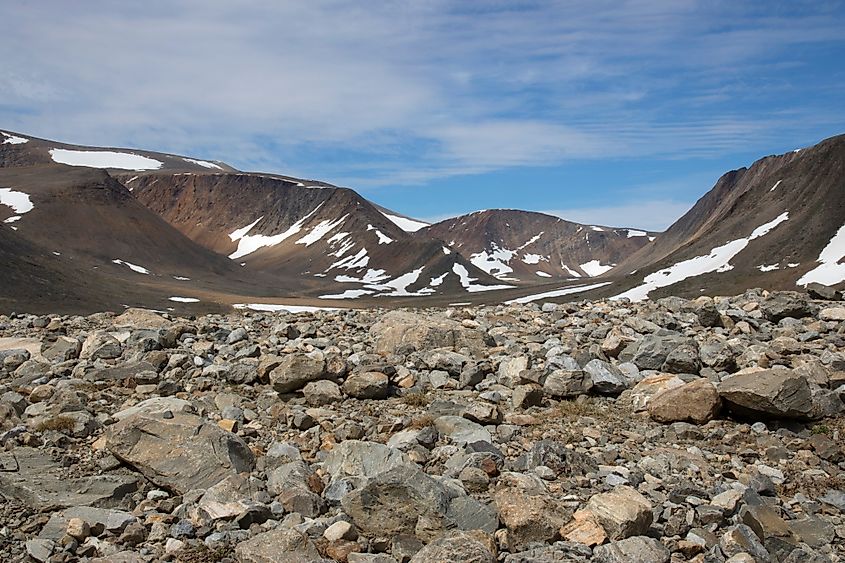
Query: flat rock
(180, 453)
(40, 482)
(296, 370)
(140, 318)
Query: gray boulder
(778, 393)
(296, 370)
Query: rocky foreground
(675, 430)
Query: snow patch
(105, 159)
(534, 259)
(13, 140)
(632, 233)
(372, 276)
(320, 230)
(557, 293)
(595, 268)
(494, 262)
(599, 229)
(382, 238)
(570, 271)
(717, 261)
(768, 268)
(407, 225)
(353, 262)
(18, 201)
(184, 299)
(543, 274)
(438, 280)
(203, 163)
(829, 271)
(776, 185)
(247, 244)
(467, 281)
(446, 251)
(181, 278)
(133, 267)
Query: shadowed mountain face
(85, 229)
(773, 225)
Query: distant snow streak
(133, 267)
(557, 293)
(247, 244)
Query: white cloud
(420, 90)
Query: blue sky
(611, 112)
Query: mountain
(778, 224)
(524, 246)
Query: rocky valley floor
(670, 430)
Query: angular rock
(778, 393)
(623, 512)
(395, 501)
(357, 459)
(786, 304)
(528, 511)
(697, 402)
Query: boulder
(778, 393)
(639, 548)
(467, 547)
(605, 378)
(785, 304)
(366, 385)
(643, 392)
(320, 393)
(697, 402)
(528, 512)
(623, 512)
(180, 452)
(564, 384)
(398, 329)
(836, 314)
(362, 460)
(296, 370)
(280, 544)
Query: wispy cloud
(405, 92)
